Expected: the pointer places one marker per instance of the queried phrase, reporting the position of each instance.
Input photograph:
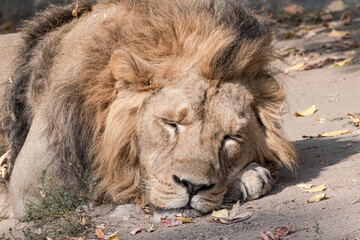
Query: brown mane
(93, 120)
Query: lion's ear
(132, 69)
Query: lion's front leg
(251, 183)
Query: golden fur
(96, 80)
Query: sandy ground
(334, 161)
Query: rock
(124, 212)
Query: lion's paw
(251, 183)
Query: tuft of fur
(93, 117)
(19, 113)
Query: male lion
(167, 103)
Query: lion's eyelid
(171, 123)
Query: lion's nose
(192, 188)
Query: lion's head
(189, 116)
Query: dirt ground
(334, 161)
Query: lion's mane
(93, 119)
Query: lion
(173, 104)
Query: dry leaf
(334, 133)
(223, 213)
(305, 186)
(75, 12)
(354, 119)
(336, 6)
(136, 230)
(288, 35)
(345, 44)
(236, 209)
(241, 217)
(237, 214)
(99, 233)
(295, 67)
(306, 112)
(335, 33)
(316, 189)
(4, 157)
(309, 34)
(281, 231)
(184, 220)
(150, 228)
(267, 235)
(294, 9)
(342, 63)
(317, 198)
(83, 220)
(3, 170)
(346, 17)
(286, 51)
(113, 237)
(171, 223)
(218, 220)
(320, 119)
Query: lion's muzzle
(192, 188)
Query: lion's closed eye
(171, 124)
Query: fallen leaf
(241, 217)
(286, 51)
(334, 133)
(99, 233)
(335, 33)
(317, 198)
(336, 6)
(75, 12)
(295, 67)
(306, 112)
(113, 237)
(309, 34)
(223, 213)
(354, 119)
(345, 45)
(347, 145)
(171, 223)
(281, 231)
(316, 189)
(147, 210)
(294, 9)
(83, 220)
(267, 235)
(346, 17)
(305, 186)
(288, 35)
(320, 119)
(150, 228)
(326, 18)
(342, 63)
(4, 157)
(237, 214)
(184, 220)
(357, 201)
(136, 230)
(236, 209)
(218, 220)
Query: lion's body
(147, 96)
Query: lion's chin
(189, 212)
